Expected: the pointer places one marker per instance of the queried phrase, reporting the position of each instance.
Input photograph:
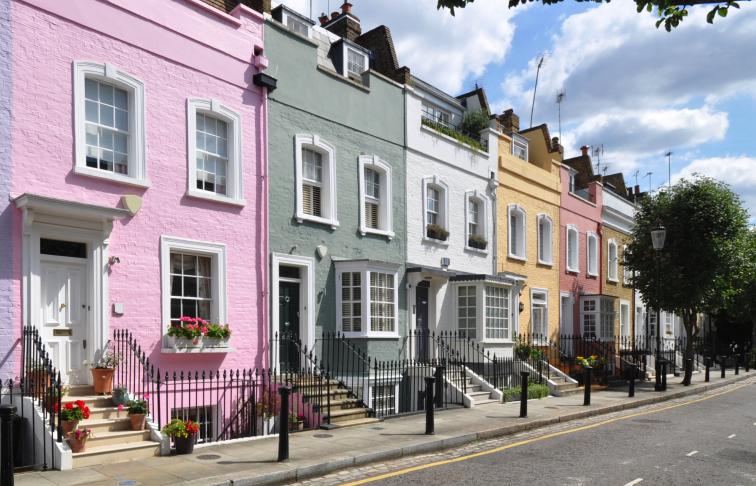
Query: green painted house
(337, 187)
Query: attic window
(520, 148)
(296, 25)
(356, 62)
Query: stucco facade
(7, 333)
(345, 120)
(534, 186)
(162, 54)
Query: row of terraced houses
(239, 162)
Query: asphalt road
(708, 442)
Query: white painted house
(451, 214)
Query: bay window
(467, 309)
(497, 324)
(597, 317)
(367, 298)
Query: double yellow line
(408, 470)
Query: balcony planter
(478, 242)
(437, 232)
(208, 342)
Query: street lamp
(658, 235)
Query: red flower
(85, 412)
(69, 406)
(79, 403)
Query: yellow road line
(408, 470)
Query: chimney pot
(637, 189)
(584, 149)
(334, 15)
(346, 8)
(629, 191)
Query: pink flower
(146, 396)
(204, 330)
(120, 407)
(188, 319)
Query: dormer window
(350, 59)
(295, 22)
(520, 147)
(297, 26)
(572, 181)
(356, 62)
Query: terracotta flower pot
(68, 426)
(102, 380)
(137, 421)
(185, 445)
(77, 445)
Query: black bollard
(664, 375)
(587, 384)
(283, 425)
(689, 368)
(429, 426)
(631, 387)
(439, 393)
(746, 364)
(7, 412)
(737, 364)
(524, 393)
(722, 366)
(708, 368)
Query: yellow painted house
(528, 199)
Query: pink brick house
(583, 309)
(137, 188)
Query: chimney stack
(345, 24)
(637, 190)
(555, 145)
(584, 149)
(510, 121)
(262, 6)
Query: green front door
(288, 324)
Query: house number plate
(66, 331)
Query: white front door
(65, 314)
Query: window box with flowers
(437, 232)
(192, 334)
(477, 242)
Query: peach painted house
(583, 309)
(137, 188)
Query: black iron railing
(37, 395)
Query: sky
(636, 91)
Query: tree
(739, 310)
(706, 226)
(671, 12)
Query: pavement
(318, 453)
(709, 440)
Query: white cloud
(440, 49)
(635, 88)
(737, 171)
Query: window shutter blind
(311, 200)
(371, 215)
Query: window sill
(546, 264)
(476, 250)
(209, 196)
(496, 341)
(301, 218)
(573, 271)
(517, 257)
(198, 350)
(110, 176)
(371, 335)
(369, 231)
(435, 242)
(612, 280)
(591, 275)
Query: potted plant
(103, 370)
(77, 439)
(593, 361)
(188, 332)
(437, 232)
(296, 422)
(137, 410)
(216, 336)
(71, 414)
(183, 433)
(267, 410)
(477, 241)
(121, 395)
(523, 348)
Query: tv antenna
(597, 151)
(636, 176)
(648, 174)
(535, 87)
(559, 98)
(668, 155)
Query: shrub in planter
(77, 439)
(71, 414)
(121, 396)
(477, 241)
(437, 232)
(595, 362)
(138, 410)
(535, 391)
(296, 422)
(217, 335)
(103, 370)
(183, 433)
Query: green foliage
(477, 241)
(179, 428)
(138, 407)
(535, 391)
(437, 232)
(670, 12)
(525, 350)
(474, 122)
(455, 134)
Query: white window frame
(464, 333)
(443, 192)
(365, 269)
(137, 162)
(508, 315)
(549, 258)
(285, 16)
(522, 142)
(234, 177)
(626, 273)
(612, 264)
(669, 324)
(545, 293)
(570, 248)
(482, 201)
(604, 320)
(523, 238)
(365, 56)
(385, 213)
(328, 190)
(572, 184)
(592, 254)
(625, 318)
(217, 253)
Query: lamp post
(658, 235)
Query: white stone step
(108, 454)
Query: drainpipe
(601, 257)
